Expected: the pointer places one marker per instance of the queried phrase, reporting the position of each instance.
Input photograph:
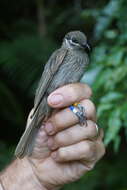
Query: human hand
(64, 150)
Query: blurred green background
(29, 33)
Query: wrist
(19, 175)
(41, 176)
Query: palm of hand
(56, 173)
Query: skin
(60, 141)
(67, 141)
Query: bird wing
(50, 70)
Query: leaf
(111, 8)
(115, 56)
(90, 76)
(119, 73)
(123, 109)
(114, 125)
(102, 24)
(88, 13)
(102, 108)
(107, 15)
(111, 34)
(117, 141)
(99, 54)
(111, 96)
(102, 78)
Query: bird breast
(71, 70)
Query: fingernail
(55, 99)
(49, 128)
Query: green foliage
(109, 56)
(14, 107)
(6, 154)
(23, 55)
(110, 84)
(21, 61)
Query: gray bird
(66, 65)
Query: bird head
(76, 40)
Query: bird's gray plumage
(66, 65)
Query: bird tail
(26, 143)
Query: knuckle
(90, 150)
(90, 166)
(62, 154)
(90, 105)
(72, 92)
(59, 138)
(87, 146)
(100, 152)
(63, 137)
(92, 129)
(56, 120)
(90, 109)
(103, 150)
(89, 90)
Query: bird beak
(86, 46)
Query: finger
(73, 135)
(40, 150)
(100, 150)
(85, 150)
(66, 118)
(69, 94)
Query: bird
(66, 65)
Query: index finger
(69, 94)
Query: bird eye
(74, 40)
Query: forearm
(19, 175)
